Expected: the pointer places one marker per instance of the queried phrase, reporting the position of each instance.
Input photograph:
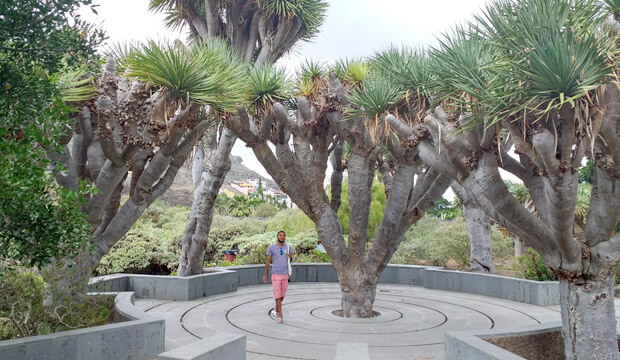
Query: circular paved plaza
(411, 324)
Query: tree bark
(194, 240)
(479, 230)
(588, 320)
(358, 291)
(519, 247)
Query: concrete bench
(352, 351)
(219, 346)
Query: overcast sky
(353, 28)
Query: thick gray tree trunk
(194, 240)
(258, 41)
(479, 230)
(590, 331)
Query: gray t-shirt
(280, 265)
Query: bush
(253, 249)
(151, 245)
(23, 313)
(264, 210)
(292, 221)
(533, 267)
(433, 241)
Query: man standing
(278, 253)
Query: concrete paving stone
(412, 323)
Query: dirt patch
(542, 346)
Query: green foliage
(269, 85)
(533, 267)
(311, 13)
(586, 173)
(613, 6)
(39, 41)
(265, 210)
(292, 221)
(207, 73)
(47, 33)
(374, 97)
(444, 209)
(253, 248)
(377, 207)
(244, 206)
(152, 244)
(408, 69)
(351, 71)
(433, 241)
(22, 312)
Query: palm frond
(613, 6)
(407, 68)
(471, 74)
(351, 71)
(373, 98)
(76, 85)
(558, 65)
(312, 69)
(269, 85)
(311, 13)
(207, 73)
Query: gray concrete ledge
(471, 345)
(223, 280)
(542, 293)
(139, 339)
(219, 346)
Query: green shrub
(23, 313)
(264, 210)
(533, 267)
(434, 241)
(153, 243)
(292, 221)
(253, 249)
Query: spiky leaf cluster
(269, 85)
(311, 13)
(207, 73)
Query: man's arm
(266, 268)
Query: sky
(353, 29)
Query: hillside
(181, 191)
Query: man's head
(281, 236)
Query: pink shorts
(279, 284)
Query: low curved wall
(222, 280)
(471, 345)
(139, 339)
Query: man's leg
(279, 307)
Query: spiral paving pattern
(411, 324)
